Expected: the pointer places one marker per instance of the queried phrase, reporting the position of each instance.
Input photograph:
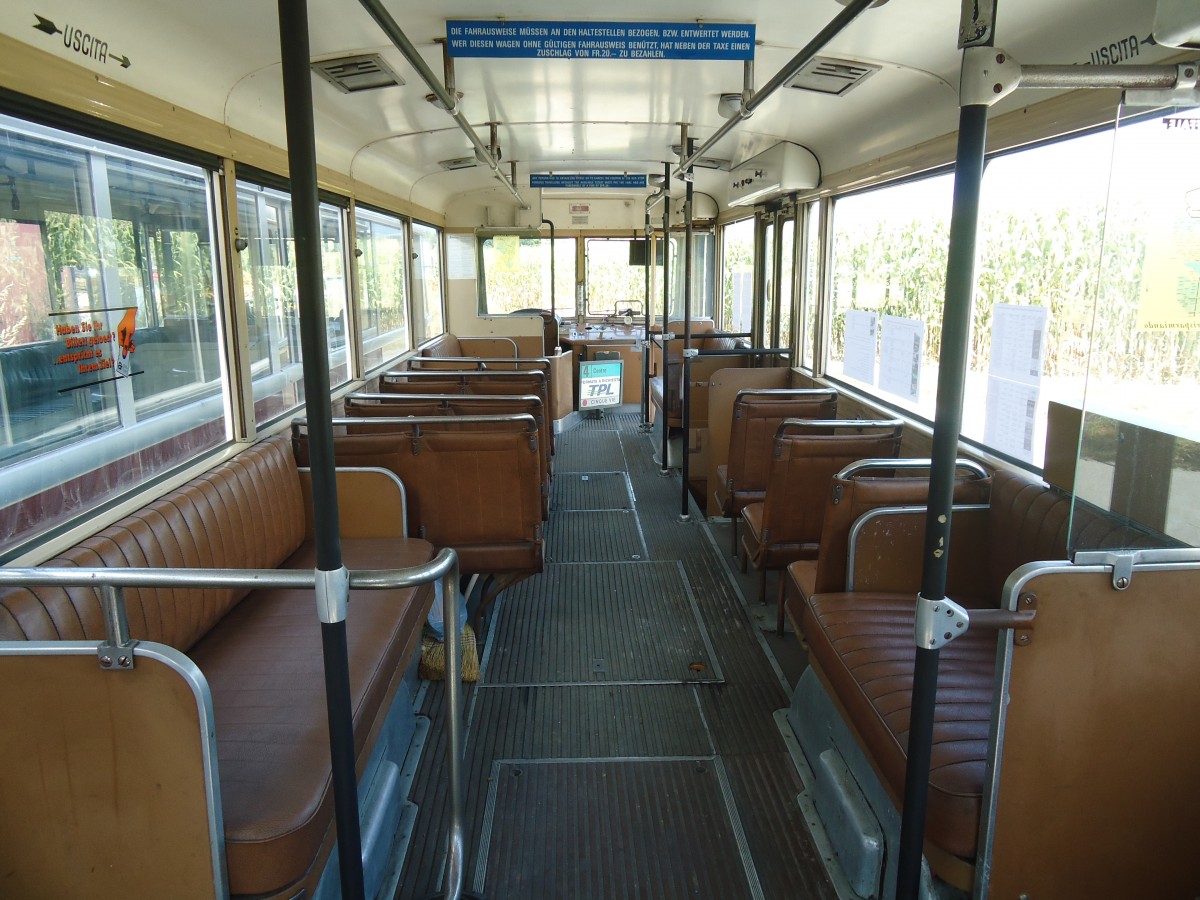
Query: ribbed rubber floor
(573, 698)
(601, 622)
(591, 449)
(596, 829)
(590, 490)
(603, 535)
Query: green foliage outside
(1051, 260)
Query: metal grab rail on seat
(118, 651)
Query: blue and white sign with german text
(585, 180)
(599, 384)
(598, 40)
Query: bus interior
(709, 451)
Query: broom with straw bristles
(433, 649)
(433, 657)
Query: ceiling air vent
(827, 75)
(460, 162)
(350, 74)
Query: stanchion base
(465, 895)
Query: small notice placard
(598, 40)
(581, 180)
(599, 384)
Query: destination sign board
(598, 40)
(583, 180)
(599, 384)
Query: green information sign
(599, 384)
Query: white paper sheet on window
(1011, 417)
(859, 362)
(1018, 342)
(901, 348)
(1015, 378)
(460, 256)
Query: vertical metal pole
(456, 851)
(553, 299)
(649, 238)
(666, 371)
(685, 385)
(956, 325)
(302, 166)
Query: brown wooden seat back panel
(756, 418)
(802, 467)
(1098, 778)
(849, 498)
(92, 754)
(463, 405)
(465, 487)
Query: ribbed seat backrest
(802, 467)
(246, 513)
(1030, 521)
(756, 418)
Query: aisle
(621, 742)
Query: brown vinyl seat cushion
(264, 665)
(862, 645)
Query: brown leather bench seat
(861, 641)
(260, 651)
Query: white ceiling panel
(220, 58)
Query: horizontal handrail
(261, 579)
(433, 374)
(657, 337)
(864, 465)
(746, 351)
(822, 424)
(385, 399)
(357, 421)
(801, 393)
(507, 360)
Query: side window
(272, 303)
(737, 276)
(889, 271)
(383, 295)
(517, 271)
(427, 281)
(111, 359)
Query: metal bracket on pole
(1186, 91)
(938, 622)
(333, 594)
(988, 76)
(115, 652)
